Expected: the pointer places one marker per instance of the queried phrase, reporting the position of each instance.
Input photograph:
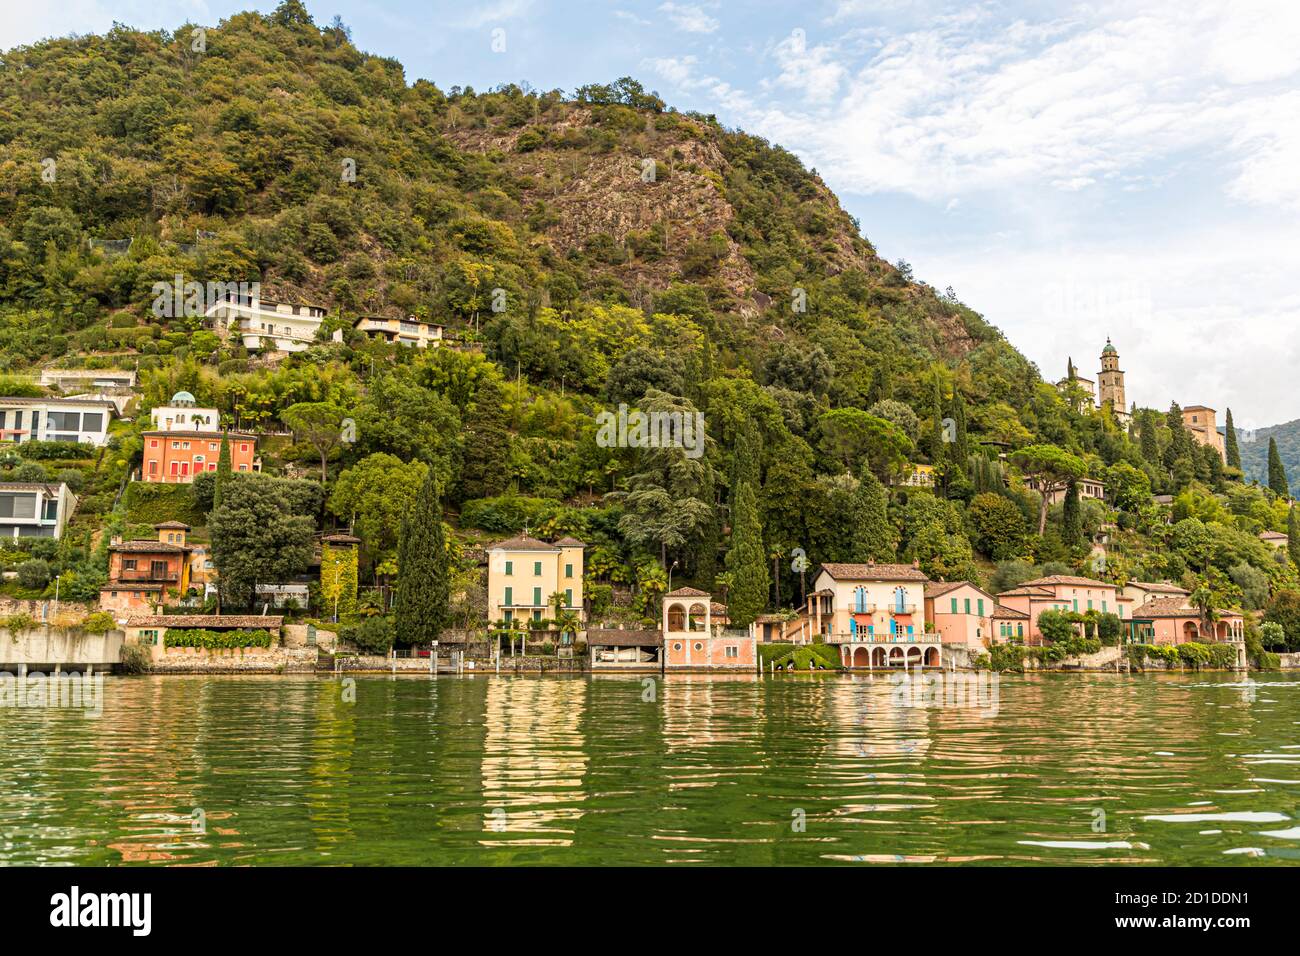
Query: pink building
(960, 612)
(692, 640)
(1173, 620)
(1062, 592)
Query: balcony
(862, 609)
(897, 609)
(147, 577)
(862, 637)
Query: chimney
(115, 539)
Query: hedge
(803, 656)
(1190, 654)
(153, 504)
(201, 637)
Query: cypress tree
(1293, 536)
(1276, 470)
(1231, 451)
(483, 473)
(936, 433)
(1071, 517)
(1149, 444)
(223, 472)
(423, 585)
(746, 560)
(873, 535)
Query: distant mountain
(1254, 450)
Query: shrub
(55, 450)
(134, 659)
(100, 622)
(374, 635)
(34, 574)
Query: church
(1108, 389)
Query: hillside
(582, 250)
(1254, 453)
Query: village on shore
(159, 605)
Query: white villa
(262, 324)
(183, 415)
(32, 509)
(55, 419)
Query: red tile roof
(874, 572)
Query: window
(92, 421)
(966, 606)
(1103, 607)
(153, 466)
(732, 650)
(63, 421)
(537, 569)
(699, 646)
(153, 443)
(18, 505)
(176, 446)
(677, 645)
(954, 605)
(243, 467)
(510, 595)
(51, 510)
(537, 596)
(980, 605)
(243, 448)
(568, 597)
(510, 567)
(128, 564)
(568, 570)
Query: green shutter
(537, 596)
(954, 605)
(510, 596)
(981, 606)
(537, 567)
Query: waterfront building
(874, 613)
(263, 325)
(151, 630)
(960, 612)
(173, 457)
(55, 419)
(411, 332)
(1012, 626)
(524, 574)
(182, 414)
(1062, 592)
(35, 509)
(692, 640)
(142, 572)
(1174, 620)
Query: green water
(519, 770)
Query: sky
(1072, 170)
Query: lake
(682, 770)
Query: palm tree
(1202, 598)
(723, 580)
(653, 580)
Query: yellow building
(1199, 420)
(524, 573)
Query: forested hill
(583, 249)
(1254, 450)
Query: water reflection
(686, 769)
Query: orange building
(176, 457)
(141, 573)
(1173, 620)
(960, 612)
(693, 640)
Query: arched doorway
(1190, 631)
(878, 657)
(860, 657)
(932, 657)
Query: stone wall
(44, 645)
(68, 611)
(232, 660)
(1289, 661)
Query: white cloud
(689, 18)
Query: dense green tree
(746, 560)
(998, 526)
(1293, 535)
(374, 496)
(852, 437)
(1276, 470)
(869, 524)
(421, 608)
(484, 473)
(1071, 519)
(257, 539)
